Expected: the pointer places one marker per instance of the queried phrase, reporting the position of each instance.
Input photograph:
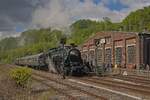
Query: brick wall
(117, 39)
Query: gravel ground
(10, 91)
(101, 92)
(39, 91)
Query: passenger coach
(126, 50)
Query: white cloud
(134, 5)
(8, 34)
(53, 14)
(61, 13)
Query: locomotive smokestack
(63, 40)
(73, 45)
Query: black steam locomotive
(66, 60)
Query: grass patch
(21, 75)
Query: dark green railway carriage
(32, 61)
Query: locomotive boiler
(66, 60)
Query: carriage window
(131, 54)
(118, 55)
(108, 56)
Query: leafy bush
(21, 75)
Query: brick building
(128, 50)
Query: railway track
(126, 87)
(61, 91)
(137, 87)
(140, 89)
(119, 86)
(133, 79)
(73, 87)
(139, 77)
(130, 83)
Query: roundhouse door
(108, 56)
(91, 57)
(118, 55)
(148, 52)
(99, 57)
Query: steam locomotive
(59, 60)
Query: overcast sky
(19, 15)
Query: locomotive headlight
(72, 53)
